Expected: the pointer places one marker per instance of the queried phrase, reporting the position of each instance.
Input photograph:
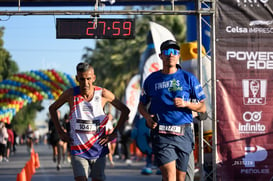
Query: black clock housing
(91, 28)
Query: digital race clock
(95, 29)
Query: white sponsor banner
(132, 95)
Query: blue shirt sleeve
(198, 92)
(144, 98)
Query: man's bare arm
(53, 108)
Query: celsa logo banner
(244, 72)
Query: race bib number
(170, 129)
(87, 126)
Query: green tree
(116, 61)
(25, 116)
(7, 65)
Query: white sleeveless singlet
(87, 123)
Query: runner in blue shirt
(168, 98)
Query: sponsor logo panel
(251, 3)
(254, 91)
(252, 124)
(259, 60)
(253, 155)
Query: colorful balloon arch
(26, 87)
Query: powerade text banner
(244, 71)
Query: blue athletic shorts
(167, 148)
(81, 167)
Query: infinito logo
(251, 124)
(254, 91)
(252, 116)
(251, 3)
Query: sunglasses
(170, 51)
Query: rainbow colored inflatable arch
(26, 87)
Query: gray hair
(83, 67)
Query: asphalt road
(48, 171)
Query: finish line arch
(31, 86)
(198, 12)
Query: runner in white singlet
(88, 135)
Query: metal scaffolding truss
(202, 8)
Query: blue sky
(31, 42)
